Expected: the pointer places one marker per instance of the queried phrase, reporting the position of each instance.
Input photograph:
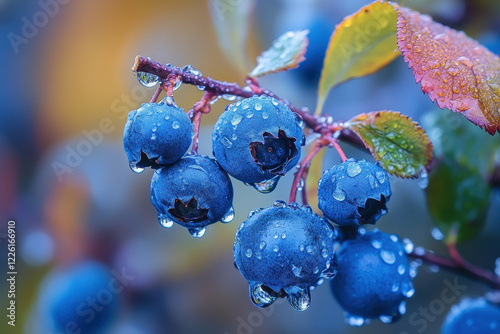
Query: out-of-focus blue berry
(257, 139)
(354, 192)
(83, 298)
(194, 192)
(156, 134)
(285, 250)
(373, 277)
(472, 316)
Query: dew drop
(380, 176)
(377, 244)
(175, 125)
(388, 256)
(276, 248)
(197, 232)
(191, 69)
(279, 204)
(259, 296)
(423, 180)
(274, 102)
(262, 244)
(316, 270)
(153, 136)
(266, 186)
(339, 194)
(299, 298)
(253, 212)
(402, 307)
(386, 319)
(265, 115)
(394, 238)
(147, 79)
(407, 289)
(229, 97)
(408, 245)
(401, 269)
(248, 253)
(324, 253)
(309, 249)
(354, 320)
(299, 120)
(395, 287)
(249, 114)
(297, 271)
(136, 169)
(228, 216)
(353, 169)
(283, 236)
(437, 234)
(226, 142)
(165, 222)
(236, 119)
(258, 106)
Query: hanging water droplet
(280, 204)
(168, 100)
(386, 319)
(394, 238)
(402, 307)
(408, 245)
(297, 271)
(354, 320)
(407, 289)
(339, 194)
(266, 186)
(229, 97)
(178, 83)
(423, 180)
(436, 234)
(165, 222)
(136, 169)
(147, 79)
(300, 186)
(253, 212)
(249, 253)
(299, 298)
(388, 256)
(330, 270)
(401, 269)
(353, 169)
(197, 232)
(191, 69)
(229, 216)
(299, 120)
(377, 244)
(259, 296)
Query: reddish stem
(196, 123)
(335, 143)
(303, 167)
(157, 93)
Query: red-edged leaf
(454, 70)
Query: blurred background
(87, 235)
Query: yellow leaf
(361, 44)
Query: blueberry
(284, 250)
(80, 298)
(194, 192)
(373, 277)
(354, 192)
(257, 140)
(156, 134)
(472, 316)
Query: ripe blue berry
(373, 279)
(156, 134)
(80, 298)
(354, 192)
(194, 192)
(257, 140)
(284, 250)
(472, 316)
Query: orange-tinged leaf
(361, 44)
(396, 141)
(285, 53)
(454, 70)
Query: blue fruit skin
(274, 267)
(81, 294)
(372, 182)
(192, 176)
(472, 316)
(158, 130)
(245, 122)
(364, 283)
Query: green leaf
(285, 53)
(230, 19)
(361, 44)
(458, 199)
(396, 141)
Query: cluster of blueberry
(285, 250)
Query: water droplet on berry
(258, 106)
(386, 319)
(316, 270)
(388, 256)
(330, 270)
(309, 249)
(377, 244)
(229, 216)
(248, 253)
(274, 102)
(226, 142)
(353, 169)
(175, 125)
(407, 289)
(136, 169)
(297, 271)
(324, 253)
(299, 120)
(395, 287)
(249, 114)
(299, 298)
(253, 212)
(339, 194)
(259, 296)
(436, 234)
(153, 136)
(165, 221)
(408, 245)
(283, 236)
(280, 204)
(401, 269)
(147, 79)
(354, 320)
(197, 232)
(402, 307)
(276, 248)
(266, 186)
(380, 176)
(169, 100)
(265, 115)
(262, 244)
(236, 119)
